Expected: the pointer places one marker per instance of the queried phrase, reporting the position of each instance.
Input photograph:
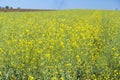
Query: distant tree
(6, 7)
(18, 8)
(3, 8)
(11, 7)
(0, 7)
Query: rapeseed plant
(60, 45)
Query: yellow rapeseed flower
(27, 30)
(113, 49)
(31, 78)
(48, 55)
(68, 64)
(62, 44)
(0, 73)
(62, 78)
(53, 78)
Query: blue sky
(62, 4)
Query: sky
(62, 4)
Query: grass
(60, 45)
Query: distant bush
(18, 8)
(3, 8)
(11, 7)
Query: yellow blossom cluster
(60, 45)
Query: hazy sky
(62, 4)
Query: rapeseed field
(60, 45)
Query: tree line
(8, 7)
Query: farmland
(24, 10)
(60, 45)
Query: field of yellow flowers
(60, 45)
